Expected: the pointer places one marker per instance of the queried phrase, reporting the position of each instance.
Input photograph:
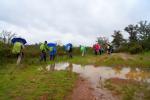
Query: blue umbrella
(51, 44)
(68, 45)
(53, 52)
(14, 40)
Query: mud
(84, 91)
(90, 85)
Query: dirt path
(84, 91)
(124, 56)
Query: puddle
(96, 75)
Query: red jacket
(96, 47)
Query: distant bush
(31, 51)
(136, 48)
(5, 53)
(123, 48)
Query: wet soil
(84, 91)
(90, 85)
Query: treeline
(138, 41)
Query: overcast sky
(76, 21)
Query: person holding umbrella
(52, 50)
(44, 49)
(18, 48)
(69, 49)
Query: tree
(144, 30)
(132, 30)
(144, 34)
(102, 41)
(117, 39)
(7, 36)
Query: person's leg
(95, 52)
(19, 56)
(108, 51)
(70, 54)
(100, 51)
(82, 53)
(41, 56)
(44, 56)
(51, 57)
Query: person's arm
(47, 48)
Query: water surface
(96, 74)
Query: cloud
(77, 21)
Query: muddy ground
(83, 90)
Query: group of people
(98, 49)
(51, 50)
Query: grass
(27, 83)
(113, 60)
(116, 59)
(129, 89)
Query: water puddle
(97, 74)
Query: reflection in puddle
(97, 74)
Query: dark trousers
(70, 54)
(95, 52)
(20, 54)
(52, 57)
(100, 51)
(43, 56)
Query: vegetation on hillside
(138, 41)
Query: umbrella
(19, 40)
(51, 44)
(68, 45)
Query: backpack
(50, 49)
(68, 48)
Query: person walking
(83, 50)
(52, 52)
(96, 48)
(18, 50)
(69, 49)
(43, 48)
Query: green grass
(27, 83)
(117, 59)
(113, 60)
(129, 90)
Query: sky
(75, 21)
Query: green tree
(102, 41)
(132, 30)
(144, 30)
(144, 34)
(118, 39)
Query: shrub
(135, 48)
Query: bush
(135, 48)
(5, 53)
(123, 48)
